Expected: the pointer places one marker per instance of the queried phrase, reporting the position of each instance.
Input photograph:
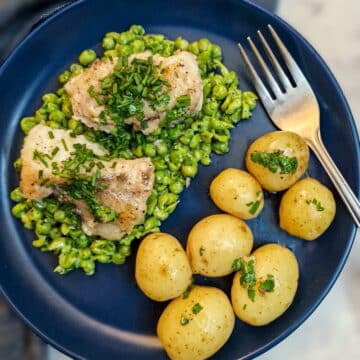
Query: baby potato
(197, 326)
(237, 193)
(276, 273)
(307, 209)
(277, 160)
(162, 269)
(215, 242)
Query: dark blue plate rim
(343, 103)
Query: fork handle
(343, 188)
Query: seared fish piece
(130, 182)
(181, 70)
(84, 106)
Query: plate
(106, 316)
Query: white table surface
(333, 331)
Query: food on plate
(238, 193)
(277, 160)
(307, 209)
(162, 269)
(110, 196)
(215, 241)
(197, 324)
(177, 76)
(146, 99)
(265, 284)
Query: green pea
(205, 160)
(234, 105)
(123, 50)
(159, 164)
(64, 77)
(113, 35)
(220, 124)
(40, 242)
(204, 44)
(174, 167)
(27, 123)
(162, 177)
(74, 125)
(176, 156)
(51, 98)
(211, 107)
(59, 215)
(138, 151)
(220, 147)
(57, 116)
(151, 203)
(88, 266)
(231, 78)
(176, 187)
(42, 227)
(151, 223)
(55, 233)
(76, 69)
(103, 247)
(125, 250)
(216, 51)
(103, 259)
(161, 148)
(167, 199)
(189, 170)
(68, 261)
(110, 53)
(108, 43)
(18, 210)
(150, 150)
(207, 89)
(35, 214)
(125, 38)
(137, 30)
(127, 239)
(87, 57)
(226, 102)
(57, 244)
(138, 46)
(18, 164)
(195, 141)
(160, 214)
(16, 195)
(118, 259)
(194, 48)
(51, 206)
(82, 241)
(174, 133)
(91, 135)
(219, 92)
(181, 43)
(54, 125)
(204, 58)
(27, 221)
(85, 254)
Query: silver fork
(295, 108)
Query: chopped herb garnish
(253, 206)
(196, 308)
(188, 290)
(41, 174)
(40, 156)
(51, 134)
(102, 118)
(268, 285)
(201, 251)
(64, 145)
(55, 151)
(275, 161)
(317, 203)
(245, 306)
(247, 278)
(183, 320)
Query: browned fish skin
(181, 70)
(130, 182)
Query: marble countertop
(333, 331)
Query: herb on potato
(275, 161)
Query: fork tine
(272, 82)
(295, 71)
(259, 85)
(279, 70)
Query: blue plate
(106, 316)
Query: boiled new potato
(215, 242)
(196, 327)
(277, 159)
(276, 273)
(307, 209)
(162, 269)
(237, 193)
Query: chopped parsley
(253, 206)
(316, 203)
(196, 308)
(275, 161)
(183, 320)
(247, 278)
(268, 285)
(188, 290)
